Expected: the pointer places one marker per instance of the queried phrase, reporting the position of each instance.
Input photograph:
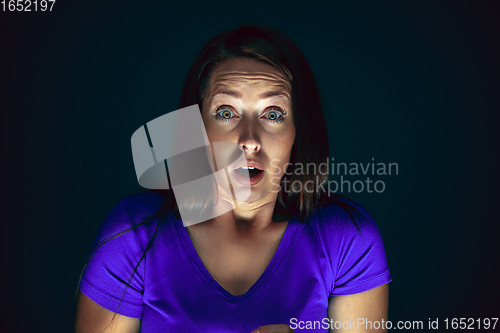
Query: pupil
(272, 115)
(226, 114)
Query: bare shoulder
(91, 317)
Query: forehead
(248, 74)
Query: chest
(236, 264)
(239, 285)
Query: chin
(258, 194)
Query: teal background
(410, 82)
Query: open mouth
(248, 175)
(250, 171)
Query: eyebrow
(264, 95)
(273, 93)
(232, 93)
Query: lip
(250, 164)
(248, 180)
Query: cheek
(288, 141)
(210, 127)
(282, 147)
(217, 133)
(211, 133)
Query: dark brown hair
(311, 139)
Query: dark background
(410, 82)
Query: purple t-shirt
(172, 291)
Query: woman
(287, 259)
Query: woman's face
(249, 103)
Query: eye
(275, 114)
(224, 113)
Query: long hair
(311, 139)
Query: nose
(249, 146)
(249, 140)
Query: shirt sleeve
(357, 254)
(107, 278)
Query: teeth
(247, 168)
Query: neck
(249, 217)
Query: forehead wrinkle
(232, 82)
(275, 88)
(262, 76)
(262, 96)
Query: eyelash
(277, 109)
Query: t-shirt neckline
(205, 274)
